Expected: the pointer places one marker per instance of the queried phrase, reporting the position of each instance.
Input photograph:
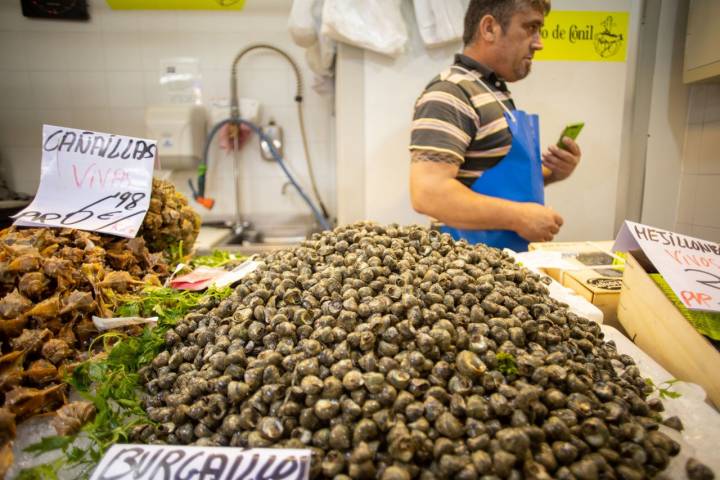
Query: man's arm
(434, 191)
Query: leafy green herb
(175, 253)
(665, 392)
(111, 381)
(664, 389)
(48, 444)
(506, 363)
(218, 258)
(46, 471)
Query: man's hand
(536, 223)
(561, 162)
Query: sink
(253, 240)
(255, 237)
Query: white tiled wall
(101, 75)
(698, 213)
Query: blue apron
(517, 177)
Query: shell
(394, 352)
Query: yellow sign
(585, 36)
(176, 4)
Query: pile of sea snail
(394, 352)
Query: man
(476, 163)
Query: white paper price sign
(92, 181)
(173, 462)
(690, 266)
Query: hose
(199, 194)
(235, 109)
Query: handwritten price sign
(92, 181)
(148, 462)
(690, 266)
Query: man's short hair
(501, 10)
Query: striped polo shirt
(458, 120)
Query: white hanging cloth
(440, 21)
(375, 25)
(321, 56)
(304, 22)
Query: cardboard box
(593, 276)
(657, 326)
(601, 287)
(582, 254)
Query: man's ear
(488, 28)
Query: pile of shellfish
(394, 352)
(52, 281)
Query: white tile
(706, 233)
(197, 45)
(209, 20)
(23, 127)
(11, 17)
(21, 168)
(712, 103)
(707, 213)
(158, 21)
(318, 123)
(686, 198)
(47, 51)
(269, 86)
(266, 198)
(85, 52)
(50, 89)
(709, 156)
(15, 90)
(121, 21)
(18, 128)
(57, 116)
(159, 46)
(295, 163)
(88, 89)
(323, 158)
(684, 228)
(215, 84)
(260, 58)
(692, 148)
(13, 50)
(122, 51)
(95, 119)
(227, 46)
(128, 121)
(253, 165)
(62, 117)
(125, 89)
(321, 163)
(153, 91)
(64, 51)
(152, 46)
(696, 105)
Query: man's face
(518, 43)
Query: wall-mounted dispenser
(180, 133)
(275, 133)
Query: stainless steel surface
(248, 249)
(254, 238)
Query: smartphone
(572, 130)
